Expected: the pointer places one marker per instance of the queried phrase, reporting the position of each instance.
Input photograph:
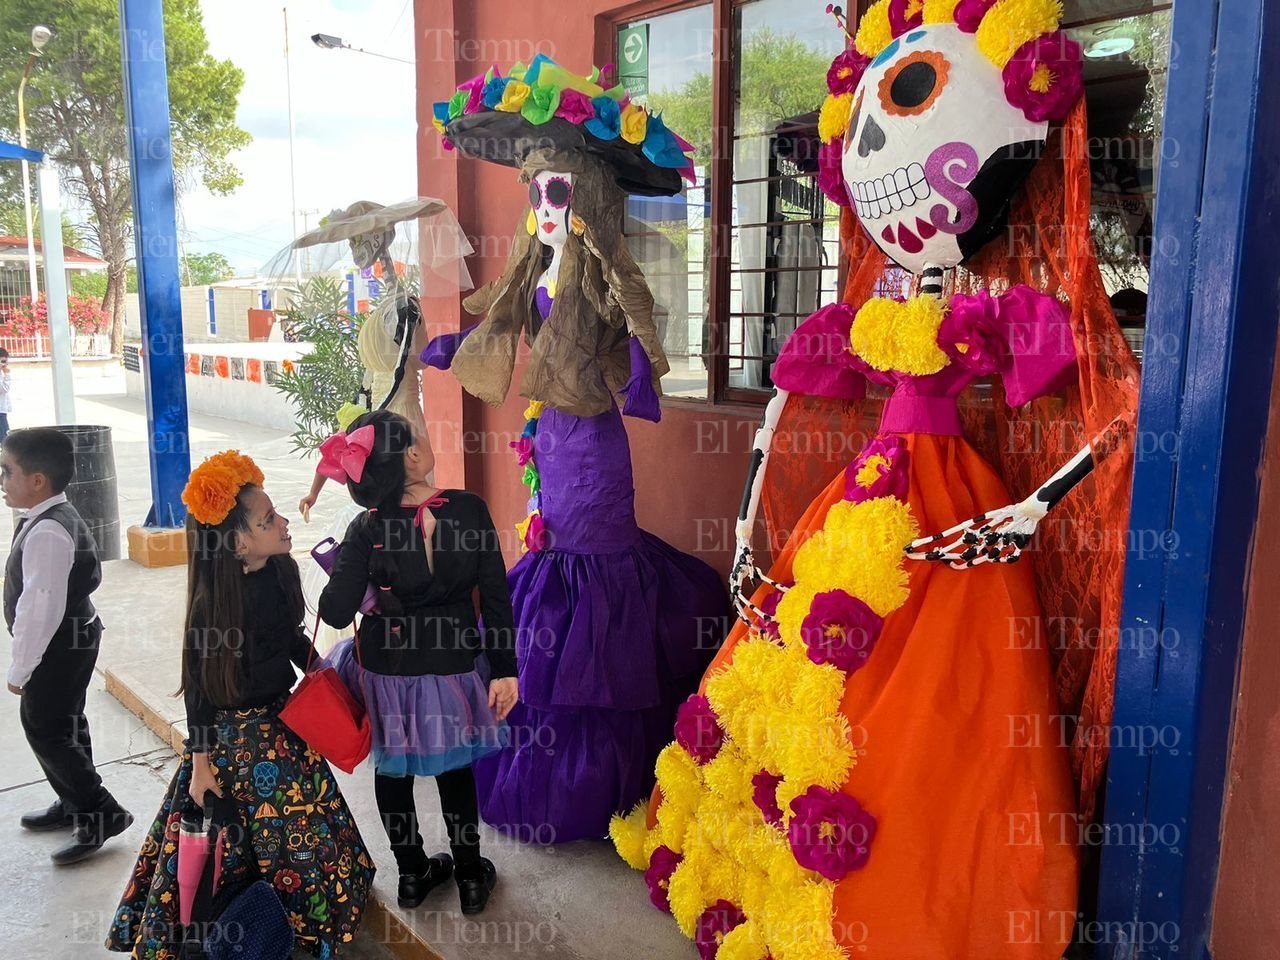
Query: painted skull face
(549, 196)
(935, 152)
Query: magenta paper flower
(831, 173)
(662, 865)
(575, 106)
(1044, 77)
(845, 71)
(899, 21)
(716, 921)
(475, 94)
(970, 333)
(880, 470)
(523, 448)
(535, 536)
(697, 729)
(969, 13)
(840, 630)
(830, 832)
(769, 607)
(765, 795)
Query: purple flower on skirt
(840, 629)
(970, 333)
(880, 470)
(765, 796)
(662, 865)
(523, 448)
(697, 729)
(830, 832)
(535, 536)
(716, 921)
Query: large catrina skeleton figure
(872, 767)
(611, 620)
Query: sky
(354, 120)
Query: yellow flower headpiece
(1005, 25)
(210, 493)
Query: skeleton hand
(997, 536)
(744, 568)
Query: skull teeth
(890, 193)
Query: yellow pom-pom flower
(685, 894)
(629, 834)
(940, 11)
(1011, 23)
(874, 32)
(890, 335)
(743, 942)
(833, 119)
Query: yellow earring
(531, 222)
(576, 225)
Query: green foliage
(13, 221)
(202, 269)
(330, 374)
(95, 284)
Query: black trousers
(53, 719)
(461, 812)
(4, 426)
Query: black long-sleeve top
(439, 632)
(272, 644)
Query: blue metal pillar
(146, 89)
(1202, 427)
(213, 314)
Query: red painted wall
(689, 469)
(1246, 920)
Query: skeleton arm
(744, 564)
(999, 536)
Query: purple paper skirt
(423, 725)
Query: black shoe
(55, 818)
(414, 887)
(90, 834)
(473, 894)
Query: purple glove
(439, 352)
(640, 399)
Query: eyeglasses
(559, 190)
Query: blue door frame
(1202, 426)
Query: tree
(202, 269)
(75, 114)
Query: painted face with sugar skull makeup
(549, 196)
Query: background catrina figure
(611, 621)
(877, 765)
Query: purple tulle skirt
(423, 725)
(614, 629)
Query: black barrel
(93, 488)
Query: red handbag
(322, 711)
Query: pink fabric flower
(535, 537)
(831, 173)
(662, 865)
(880, 470)
(830, 832)
(716, 921)
(840, 630)
(523, 448)
(969, 13)
(1045, 77)
(698, 730)
(970, 333)
(816, 360)
(769, 607)
(765, 795)
(899, 21)
(575, 106)
(845, 71)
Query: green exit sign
(633, 59)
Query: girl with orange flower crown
(243, 638)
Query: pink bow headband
(342, 456)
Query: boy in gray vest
(53, 568)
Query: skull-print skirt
(299, 836)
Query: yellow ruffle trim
(1011, 23)
(890, 335)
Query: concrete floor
(573, 902)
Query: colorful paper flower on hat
(541, 104)
(840, 630)
(607, 123)
(698, 730)
(514, 94)
(970, 332)
(474, 89)
(657, 876)
(714, 924)
(879, 470)
(575, 106)
(635, 123)
(1045, 77)
(211, 490)
(830, 833)
(493, 91)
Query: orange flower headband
(211, 491)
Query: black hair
(44, 450)
(216, 620)
(4, 353)
(380, 490)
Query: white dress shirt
(6, 384)
(47, 555)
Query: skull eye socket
(535, 194)
(558, 192)
(914, 83)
